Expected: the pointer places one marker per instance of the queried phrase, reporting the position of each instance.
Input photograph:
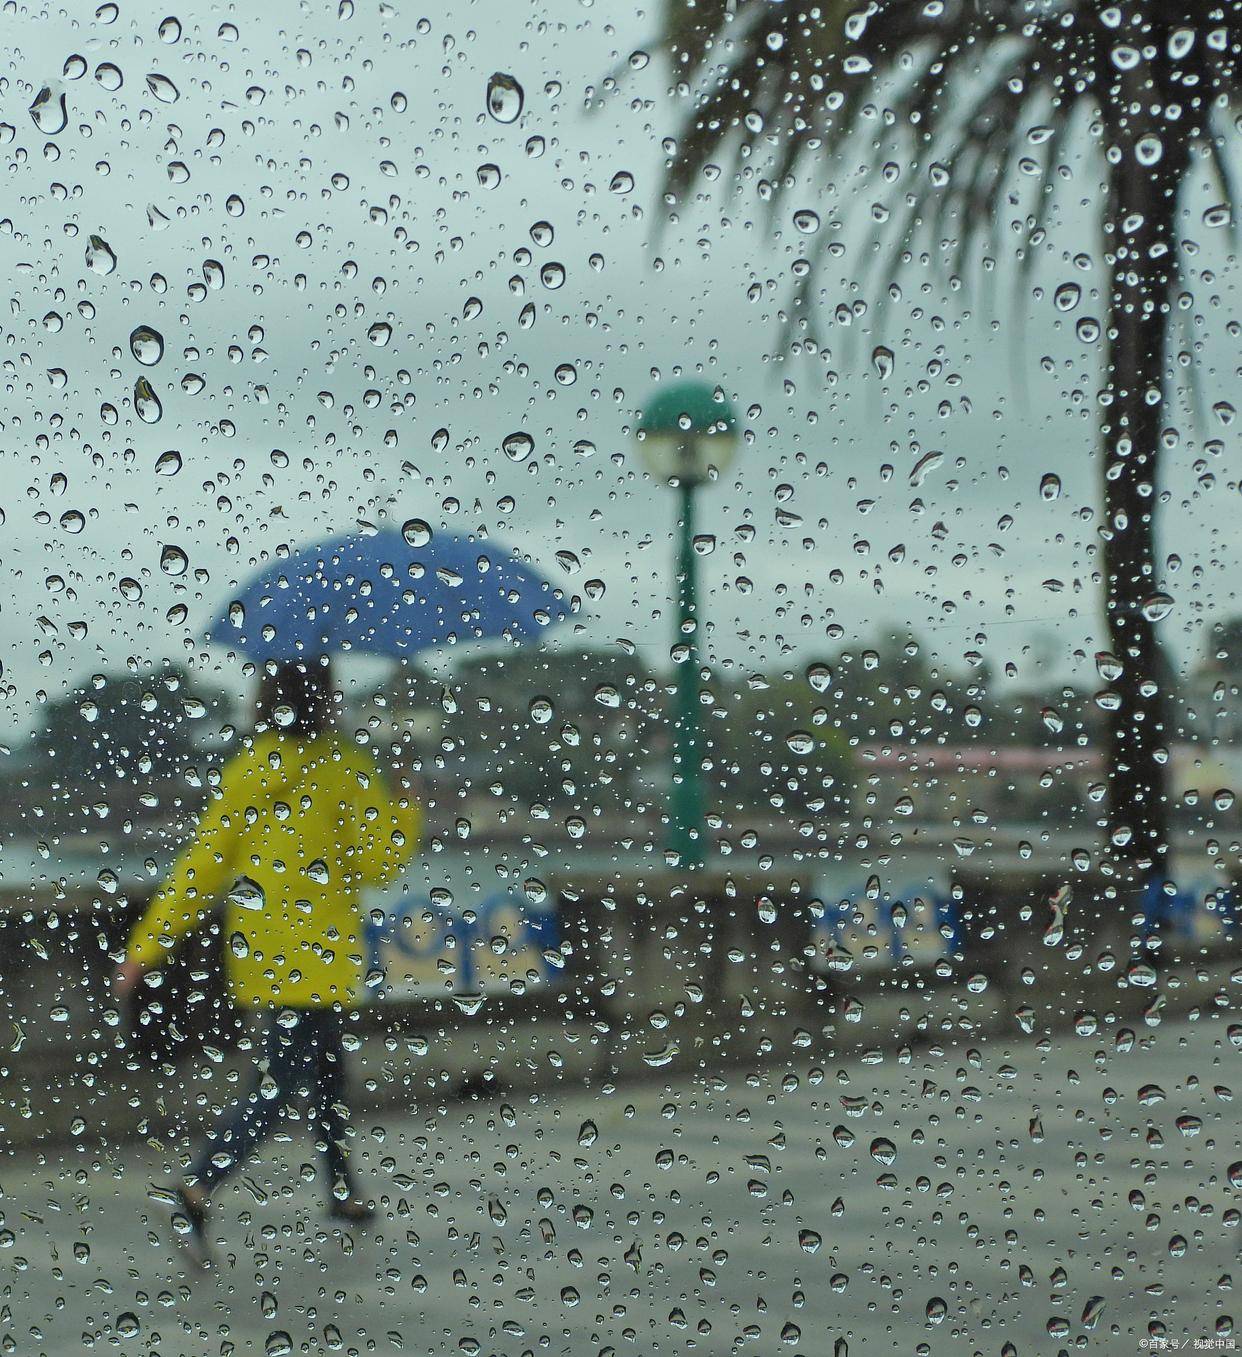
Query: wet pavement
(1058, 1195)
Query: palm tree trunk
(1142, 251)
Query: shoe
(353, 1210)
(190, 1225)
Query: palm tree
(979, 98)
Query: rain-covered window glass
(621, 678)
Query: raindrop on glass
(505, 98)
(147, 345)
(49, 111)
(99, 256)
(146, 402)
(416, 531)
(174, 561)
(518, 446)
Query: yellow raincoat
(295, 830)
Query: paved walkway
(1050, 1199)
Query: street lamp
(687, 435)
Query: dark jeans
(304, 1058)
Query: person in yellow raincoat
(301, 821)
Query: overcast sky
(331, 166)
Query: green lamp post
(687, 435)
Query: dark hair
(303, 687)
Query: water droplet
(147, 345)
(380, 333)
(1180, 43)
(518, 446)
(1108, 666)
(588, 1133)
(883, 1151)
(168, 463)
(924, 467)
(1049, 486)
(1088, 329)
(801, 742)
(1157, 607)
(416, 531)
(1148, 150)
(806, 221)
(99, 256)
(146, 402)
(488, 175)
(170, 29)
(174, 561)
(505, 98)
(541, 710)
(552, 275)
(1067, 296)
(882, 360)
(109, 76)
(819, 676)
(50, 111)
(163, 88)
(621, 182)
(1092, 1311)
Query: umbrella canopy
(388, 593)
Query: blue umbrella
(388, 593)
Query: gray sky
(331, 167)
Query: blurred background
(869, 819)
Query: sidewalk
(964, 1197)
(85, 1095)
